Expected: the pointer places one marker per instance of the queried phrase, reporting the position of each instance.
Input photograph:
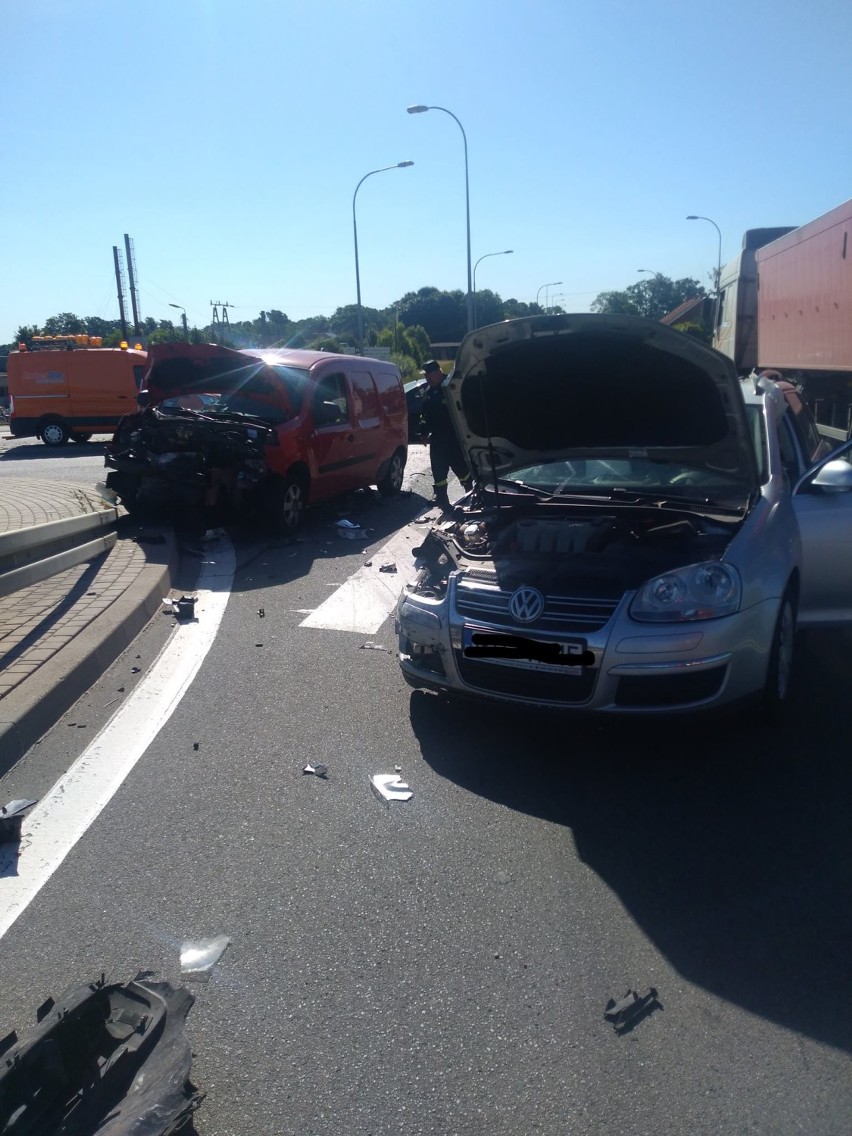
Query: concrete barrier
(30, 555)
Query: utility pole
(119, 279)
(131, 277)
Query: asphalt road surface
(29, 457)
(442, 965)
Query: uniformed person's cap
(430, 366)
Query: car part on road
(197, 958)
(111, 1059)
(390, 787)
(631, 1009)
(318, 770)
(372, 647)
(388, 568)
(11, 819)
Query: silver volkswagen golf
(645, 532)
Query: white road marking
(368, 597)
(61, 818)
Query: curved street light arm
(381, 170)
(419, 109)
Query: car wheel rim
(292, 506)
(52, 435)
(786, 634)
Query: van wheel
(54, 432)
(81, 437)
(391, 483)
(291, 504)
(779, 675)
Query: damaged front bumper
(107, 1058)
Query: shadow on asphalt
(728, 842)
(40, 450)
(265, 558)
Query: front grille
(542, 686)
(565, 614)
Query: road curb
(27, 712)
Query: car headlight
(699, 591)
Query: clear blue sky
(227, 139)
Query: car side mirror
(834, 477)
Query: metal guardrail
(30, 555)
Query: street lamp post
(395, 166)
(419, 110)
(552, 284)
(650, 270)
(695, 217)
(505, 252)
(183, 318)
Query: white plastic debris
(197, 958)
(390, 787)
(318, 770)
(372, 647)
(346, 524)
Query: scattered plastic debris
(261, 611)
(372, 647)
(198, 957)
(388, 568)
(318, 770)
(346, 524)
(185, 607)
(135, 670)
(368, 564)
(196, 745)
(390, 787)
(631, 1009)
(112, 1059)
(11, 819)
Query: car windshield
(262, 395)
(603, 475)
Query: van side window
(138, 372)
(366, 400)
(330, 403)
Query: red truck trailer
(787, 306)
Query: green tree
(517, 309)
(651, 298)
(66, 323)
(442, 314)
(25, 334)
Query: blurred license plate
(568, 658)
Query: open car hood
(198, 368)
(550, 388)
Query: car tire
(54, 432)
(291, 504)
(779, 674)
(391, 483)
(81, 437)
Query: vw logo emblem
(526, 605)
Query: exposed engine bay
(190, 456)
(597, 550)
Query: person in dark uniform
(444, 450)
